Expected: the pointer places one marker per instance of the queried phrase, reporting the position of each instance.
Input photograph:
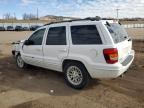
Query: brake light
(111, 55)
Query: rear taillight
(111, 55)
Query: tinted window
(85, 34)
(56, 36)
(37, 37)
(117, 32)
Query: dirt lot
(40, 88)
(136, 33)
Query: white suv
(81, 49)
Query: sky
(74, 8)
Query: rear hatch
(121, 39)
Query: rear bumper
(111, 71)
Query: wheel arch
(71, 60)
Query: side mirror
(28, 42)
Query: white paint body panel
(52, 56)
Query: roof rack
(85, 19)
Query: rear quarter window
(85, 34)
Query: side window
(56, 36)
(37, 37)
(85, 34)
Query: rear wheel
(20, 63)
(76, 75)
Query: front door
(33, 53)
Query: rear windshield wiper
(129, 39)
(126, 37)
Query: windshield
(117, 32)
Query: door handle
(63, 50)
(38, 50)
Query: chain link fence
(133, 25)
(40, 24)
(20, 24)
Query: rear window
(117, 32)
(85, 34)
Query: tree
(8, 16)
(29, 16)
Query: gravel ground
(41, 88)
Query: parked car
(18, 28)
(34, 27)
(26, 29)
(10, 28)
(82, 49)
(2, 28)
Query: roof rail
(85, 19)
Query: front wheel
(20, 63)
(76, 75)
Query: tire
(20, 63)
(77, 79)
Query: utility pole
(3, 16)
(3, 19)
(14, 16)
(37, 14)
(117, 10)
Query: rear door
(56, 47)
(124, 49)
(121, 40)
(33, 54)
(86, 42)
